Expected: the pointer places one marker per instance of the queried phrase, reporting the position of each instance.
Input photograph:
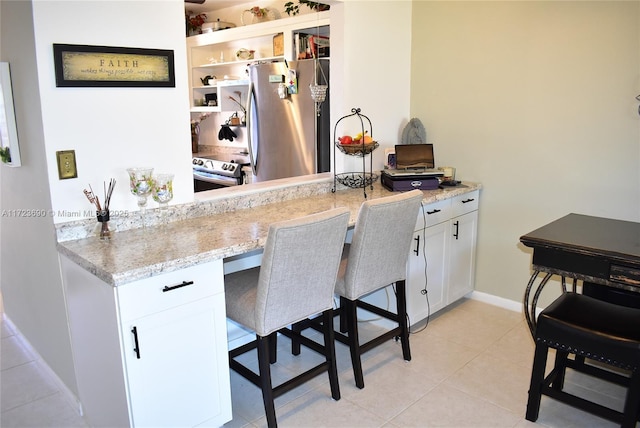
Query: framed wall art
(9, 149)
(88, 66)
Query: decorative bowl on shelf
(243, 54)
(358, 149)
(356, 180)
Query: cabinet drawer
(158, 293)
(434, 213)
(465, 203)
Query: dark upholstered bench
(596, 330)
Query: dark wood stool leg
(265, 380)
(401, 299)
(273, 347)
(343, 316)
(561, 368)
(632, 402)
(330, 353)
(295, 343)
(537, 377)
(351, 307)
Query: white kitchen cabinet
(152, 352)
(214, 54)
(462, 253)
(442, 260)
(427, 269)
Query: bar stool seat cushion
(592, 328)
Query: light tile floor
(470, 367)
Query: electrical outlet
(66, 164)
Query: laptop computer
(414, 160)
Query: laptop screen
(414, 156)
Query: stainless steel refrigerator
(286, 137)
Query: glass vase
(103, 230)
(162, 193)
(140, 182)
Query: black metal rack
(362, 179)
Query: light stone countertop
(141, 253)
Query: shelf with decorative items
(361, 145)
(227, 96)
(221, 57)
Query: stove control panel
(230, 169)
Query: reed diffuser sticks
(102, 212)
(107, 195)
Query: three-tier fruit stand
(361, 149)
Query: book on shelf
(319, 46)
(310, 45)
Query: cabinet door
(427, 270)
(177, 371)
(463, 254)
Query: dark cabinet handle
(456, 225)
(134, 330)
(173, 287)
(417, 250)
(433, 212)
(468, 200)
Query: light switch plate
(66, 164)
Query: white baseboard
(496, 301)
(62, 387)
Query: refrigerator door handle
(253, 159)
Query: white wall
(109, 128)
(112, 129)
(371, 69)
(536, 100)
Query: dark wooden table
(594, 250)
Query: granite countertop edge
(139, 254)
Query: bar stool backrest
(299, 268)
(381, 243)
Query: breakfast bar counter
(201, 237)
(146, 308)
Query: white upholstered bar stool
(377, 257)
(295, 281)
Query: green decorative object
(5, 155)
(293, 9)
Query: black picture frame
(110, 66)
